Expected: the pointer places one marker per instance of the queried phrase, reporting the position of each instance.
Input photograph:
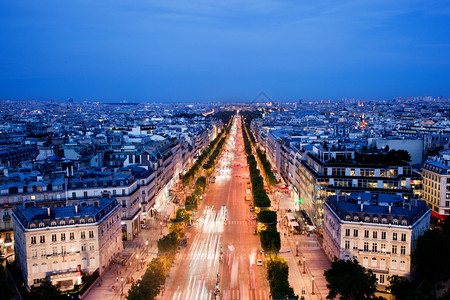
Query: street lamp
(121, 280)
(304, 265)
(137, 262)
(312, 282)
(296, 248)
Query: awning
(436, 215)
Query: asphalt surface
(222, 248)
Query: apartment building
(61, 243)
(379, 230)
(436, 185)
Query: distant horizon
(406, 98)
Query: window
(43, 252)
(374, 262)
(33, 240)
(375, 234)
(403, 237)
(394, 236)
(85, 194)
(355, 232)
(123, 192)
(55, 251)
(53, 237)
(41, 225)
(34, 253)
(63, 250)
(83, 235)
(383, 263)
(83, 248)
(402, 265)
(53, 223)
(394, 249)
(365, 261)
(124, 203)
(347, 244)
(42, 239)
(74, 195)
(383, 235)
(62, 223)
(91, 247)
(403, 250)
(63, 236)
(366, 246)
(91, 234)
(366, 233)
(375, 247)
(383, 247)
(347, 232)
(381, 278)
(394, 264)
(72, 235)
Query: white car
(259, 262)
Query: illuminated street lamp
(312, 282)
(304, 265)
(121, 280)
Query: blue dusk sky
(110, 50)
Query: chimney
(390, 208)
(49, 211)
(362, 206)
(76, 208)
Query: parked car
(259, 262)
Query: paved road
(221, 241)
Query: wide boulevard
(221, 258)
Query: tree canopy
(349, 280)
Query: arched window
(62, 223)
(41, 225)
(82, 221)
(53, 223)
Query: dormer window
(90, 220)
(62, 223)
(53, 223)
(41, 225)
(367, 219)
(348, 218)
(395, 221)
(375, 220)
(356, 218)
(33, 225)
(71, 222)
(82, 221)
(404, 222)
(384, 221)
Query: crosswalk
(235, 294)
(246, 222)
(201, 293)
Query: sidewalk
(109, 285)
(316, 262)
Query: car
(253, 217)
(259, 262)
(252, 209)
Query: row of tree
(189, 176)
(271, 180)
(149, 286)
(276, 266)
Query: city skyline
(223, 51)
